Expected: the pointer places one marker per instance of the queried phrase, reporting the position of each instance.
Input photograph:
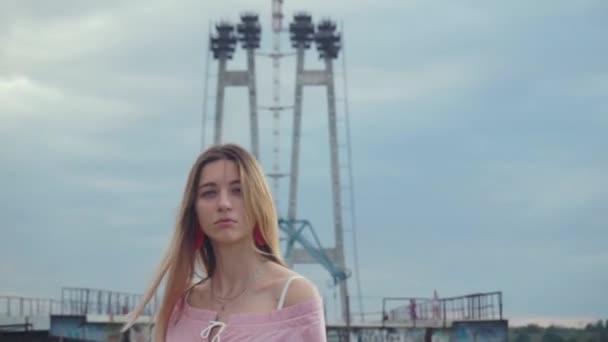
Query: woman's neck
(236, 267)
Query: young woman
(227, 228)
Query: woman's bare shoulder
(300, 289)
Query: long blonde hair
(181, 259)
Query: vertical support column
(277, 27)
(335, 178)
(297, 128)
(253, 104)
(295, 150)
(219, 101)
(302, 34)
(205, 93)
(276, 115)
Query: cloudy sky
(479, 136)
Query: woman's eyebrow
(207, 184)
(234, 182)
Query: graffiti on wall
(388, 335)
(440, 336)
(487, 331)
(469, 331)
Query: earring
(257, 236)
(199, 237)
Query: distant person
(227, 229)
(436, 306)
(412, 307)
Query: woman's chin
(229, 237)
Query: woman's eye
(236, 191)
(208, 193)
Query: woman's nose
(224, 199)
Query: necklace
(223, 301)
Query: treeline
(597, 332)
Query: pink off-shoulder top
(299, 322)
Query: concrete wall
(474, 331)
(68, 326)
(32, 336)
(78, 327)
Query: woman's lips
(224, 223)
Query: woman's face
(219, 203)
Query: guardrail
(478, 306)
(76, 301)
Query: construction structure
(223, 45)
(277, 107)
(303, 34)
(301, 243)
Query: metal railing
(478, 306)
(24, 306)
(76, 301)
(83, 301)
